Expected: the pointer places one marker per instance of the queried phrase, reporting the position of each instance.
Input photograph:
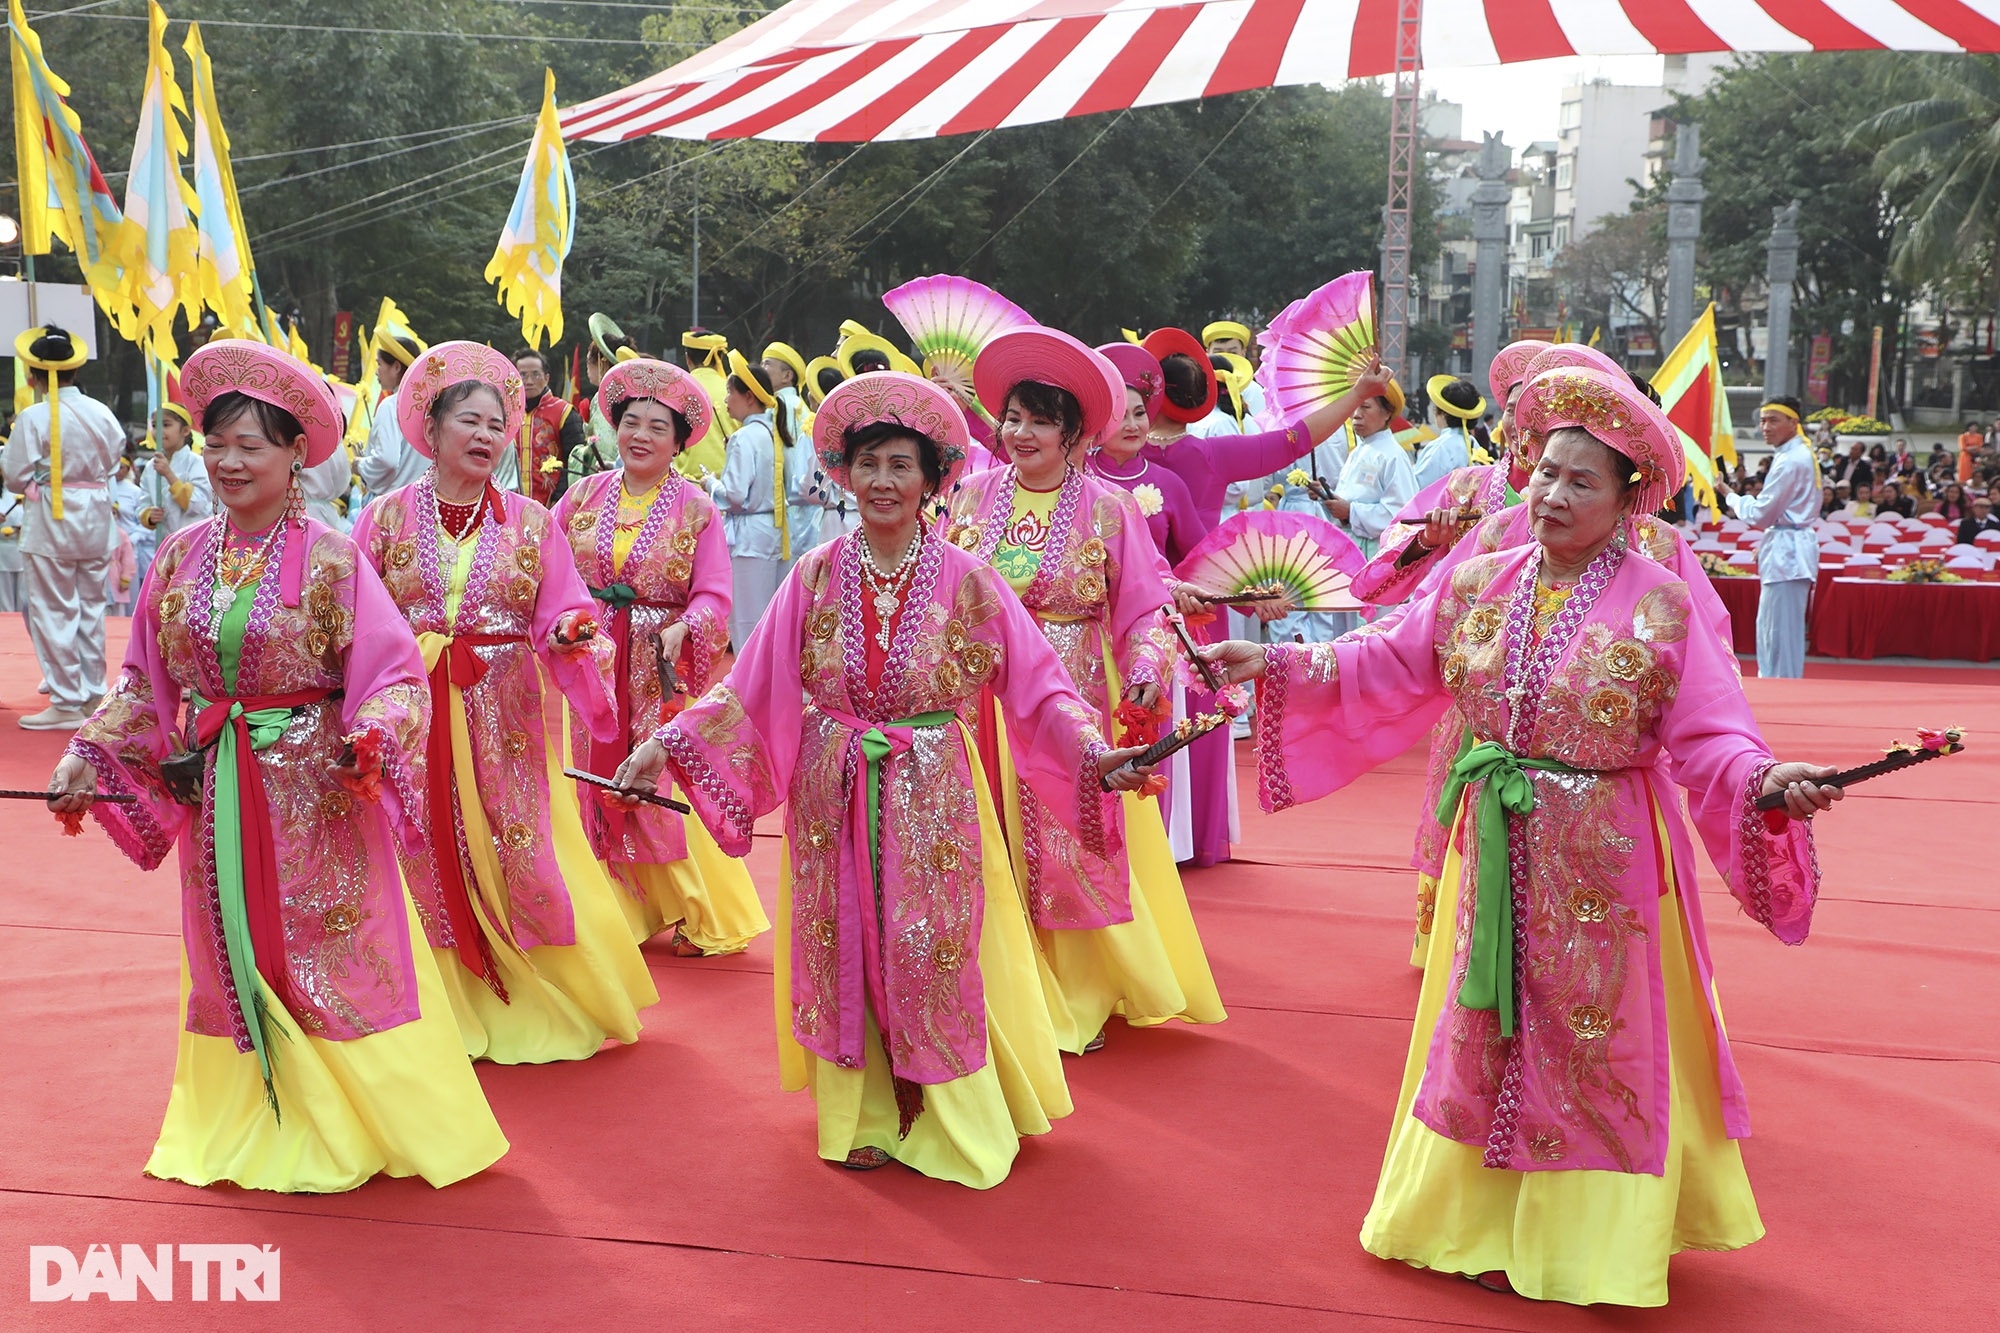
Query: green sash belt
(878, 742)
(1508, 790)
(616, 595)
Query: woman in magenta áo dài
(650, 547)
(906, 985)
(1076, 552)
(1570, 1110)
(270, 720)
(539, 962)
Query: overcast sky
(1524, 100)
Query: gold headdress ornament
(59, 352)
(1225, 328)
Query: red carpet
(1210, 1179)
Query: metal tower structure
(1404, 136)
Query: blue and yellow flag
(527, 265)
(159, 234)
(222, 251)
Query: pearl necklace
(887, 587)
(1099, 462)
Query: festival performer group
(435, 784)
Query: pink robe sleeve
(710, 596)
(1329, 712)
(584, 675)
(1720, 758)
(388, 693)
(1248, 457)
(732, 751)
(1139, 643)
(132, 730)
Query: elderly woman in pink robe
(906, 987)
(269, 722)
(1570, 1109)
(538, 959)
(650, 546)
(1076, 552)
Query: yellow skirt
(563, 1000)
(1578, 1236)
(1149, 970)
(971, 1128)
(707, 894)
(403, 1102)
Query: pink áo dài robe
(672, 569)
(512, 824)
(1635, 681)
(347, 972)
(747, 745)
(1097, 595)
(1399, 566)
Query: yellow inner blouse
(1018, 558)
(632, 512)
(1549, 602)
(460, 554)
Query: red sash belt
(457, 665)
(260, 852)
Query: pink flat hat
(1608, 405)
(269, 376)
(1050, 356)
(1571, 354)
(454, 363)
(1510, 367)
(663, 382)
(1140, 370)
(908, 400)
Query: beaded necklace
(886, 588)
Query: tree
(1617, 275)
(1940, 151)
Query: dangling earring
(1618, 538)
(295, 495)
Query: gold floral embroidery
(1627, 660)
(1657, 685)
(1482, 623)
(818, 836)
(822, 623)
(402, 554)
(946, 856)
(963, 535)
(339, 920)
(519, 837)
(529, 561)
(335, 804)
(826, 932)
(583, 520)
(947, 678)
(173, 604)
(521, 590)
(1453, 671)
(1608, 707)
(1590, 1022)
(684, 541)
(677, 569)
(317, 642)
(515, 744)
(1587, 904)
(1092, 553)
(954, 637)
(979, 659)
(948, 955)
(1089, 587)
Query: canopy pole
(1404, 132)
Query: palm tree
(1940, 151)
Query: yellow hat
(1240, 371)
(788, 354)
(854, 328)
(186, 417)
(714, 346)
(739, 368)
(809, 385)
(869, 342)
(59, 350)
(1225, 328)
(1434, 390)
(1394, 393)
(1130, 335)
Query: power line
(403, 32)
(378, 157)
(1047, 185)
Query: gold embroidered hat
(663, 382)
(891, 395)
(1608, 405)
(269, 376)
(454, 363)
(1510, 367)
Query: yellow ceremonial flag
(158, 234)
(527, 264)
(222, 255)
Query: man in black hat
(62, 453)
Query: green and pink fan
(950, 318)
(1317, 347)
(1267, 549)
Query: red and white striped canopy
(855, 70)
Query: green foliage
(1940, 149)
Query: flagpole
(34, 310)
(263, 315)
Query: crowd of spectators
(1861, 480)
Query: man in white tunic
(1375, 482)
(1788, 553)
(746, 495)
(390, 461)
(69, 526)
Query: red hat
(1050, 356)
(1163, 343)
(1141, 371)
